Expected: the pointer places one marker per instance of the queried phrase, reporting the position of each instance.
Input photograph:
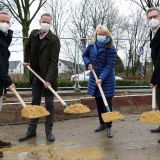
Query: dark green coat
(47, 58)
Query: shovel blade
(77, 108)
(34, 111)
(152, 117)
(112, 116)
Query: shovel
(76, 108)
(152, 117)
(108, 116)
(31, 111)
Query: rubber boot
(109, 133)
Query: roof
(13, 64)
(71, 65)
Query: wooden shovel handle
(50, 88)
(19, 97)
(101, 91)
(154, 98)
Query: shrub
(68, 83)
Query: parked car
(84, 76)
(118, 78)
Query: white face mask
(45, 26)
(153, 23)
(4, 27)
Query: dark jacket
(43, 57)
(104, 67)
(155, 54)
(5, 41)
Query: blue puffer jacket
(103, 62)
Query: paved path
(76, 140)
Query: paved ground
(76, 140)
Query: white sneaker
(1, 99)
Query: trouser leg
(50, 118)
(102, 109)
(37, 87)
(158, 97)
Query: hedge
(68, 83)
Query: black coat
(5, 41)
(155, 54)
(43, 57)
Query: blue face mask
(101, 38)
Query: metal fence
(70, 59)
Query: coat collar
(48, 36)
(156, 37)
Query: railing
(85, 88)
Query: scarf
(99, 46)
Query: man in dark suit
(153, 15)
(5, 80)
(42, 54)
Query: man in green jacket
(42, 54)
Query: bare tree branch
(41, 3)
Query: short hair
(153, 9)
(46, 14)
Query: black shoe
(100, 128)
(159, 141)
(27, 136)
(109, 133)
(156, 130)
(1, 154)
(4, 144)
(50, 137)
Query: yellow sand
(54, 152)
(77, 108)
(111, 116)
(34, 111)
(152, 117)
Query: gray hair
(46, 14)
(153, 9)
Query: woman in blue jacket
(100, 55)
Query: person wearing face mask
(100, 55)
(42, 54)
(5, 80)
(153, 16)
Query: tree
(1, 7)
(88, 14)
(60, 14)
(21, 10)
(137, 33)
(119, 66)
(146, 3)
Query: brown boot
(4, 144)
(1, 154)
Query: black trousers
(37, 90)
(102, 109)
(158, 97)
